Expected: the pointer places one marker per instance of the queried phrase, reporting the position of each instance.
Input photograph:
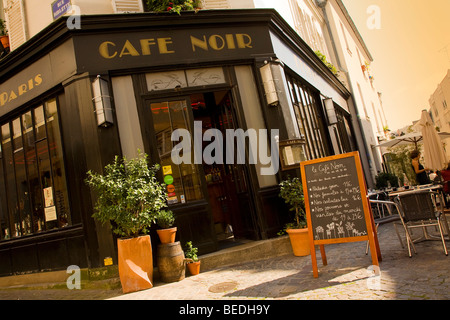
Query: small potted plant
(173, 6)
(130, 197)
(193, 263)
(4, 38)
(292, 193)
(165, 221)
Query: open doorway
(227, 184)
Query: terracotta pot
(5, 41)
(194, 268)
(167, 235)
(135, 263)
(299, 241)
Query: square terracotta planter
(135, 263)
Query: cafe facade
(72, 99)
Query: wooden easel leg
(374, 251)
(323, 255)
(374, 235)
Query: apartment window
(33, 189)
(345, 131)
(15, 22)
(309, 118)
(376, 118)
(308, 27)
(363, 103)
(216, 4)
(127, 6)
(345, 39)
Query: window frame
(29, 151)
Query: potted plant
(4, 38)
(165, 221)
(175, 6)
(130, 197)
(385, 180)
(193, 263)
(292, 193)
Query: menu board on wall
(336, 205)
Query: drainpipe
(353, 110)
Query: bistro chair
(419, 209)
(384, 211)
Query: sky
(407, 48)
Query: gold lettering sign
(164, 45)
(108, 49)
(8, 96)
(218, 42)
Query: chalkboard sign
(334, 198)
(336, 205)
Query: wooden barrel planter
(171, 262)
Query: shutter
(15, 22)
(216, 4)
(126, 6)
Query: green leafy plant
(383, 178)
(328, 64)
(165, 219)
(191, 252)
(292, 193)
(129, 195)
(399, 163)
(3, 31)
(174, 6)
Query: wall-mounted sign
(50, 213)
(292, 152)
(60, 7)
(168, 179)
(156, 48)
(167, 170)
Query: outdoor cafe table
(438, 188)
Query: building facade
(73, 98)
(439, 108)
(326, 26)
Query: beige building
(440, 109)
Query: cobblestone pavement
(425, 276)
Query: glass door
(183, 180)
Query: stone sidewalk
(348, 276)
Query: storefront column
(95, 147)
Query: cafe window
(183, 180)
(309, 119)
(33, 189)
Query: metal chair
(421, 209)
(384, 211)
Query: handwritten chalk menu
(336, 205)
(334, 197)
